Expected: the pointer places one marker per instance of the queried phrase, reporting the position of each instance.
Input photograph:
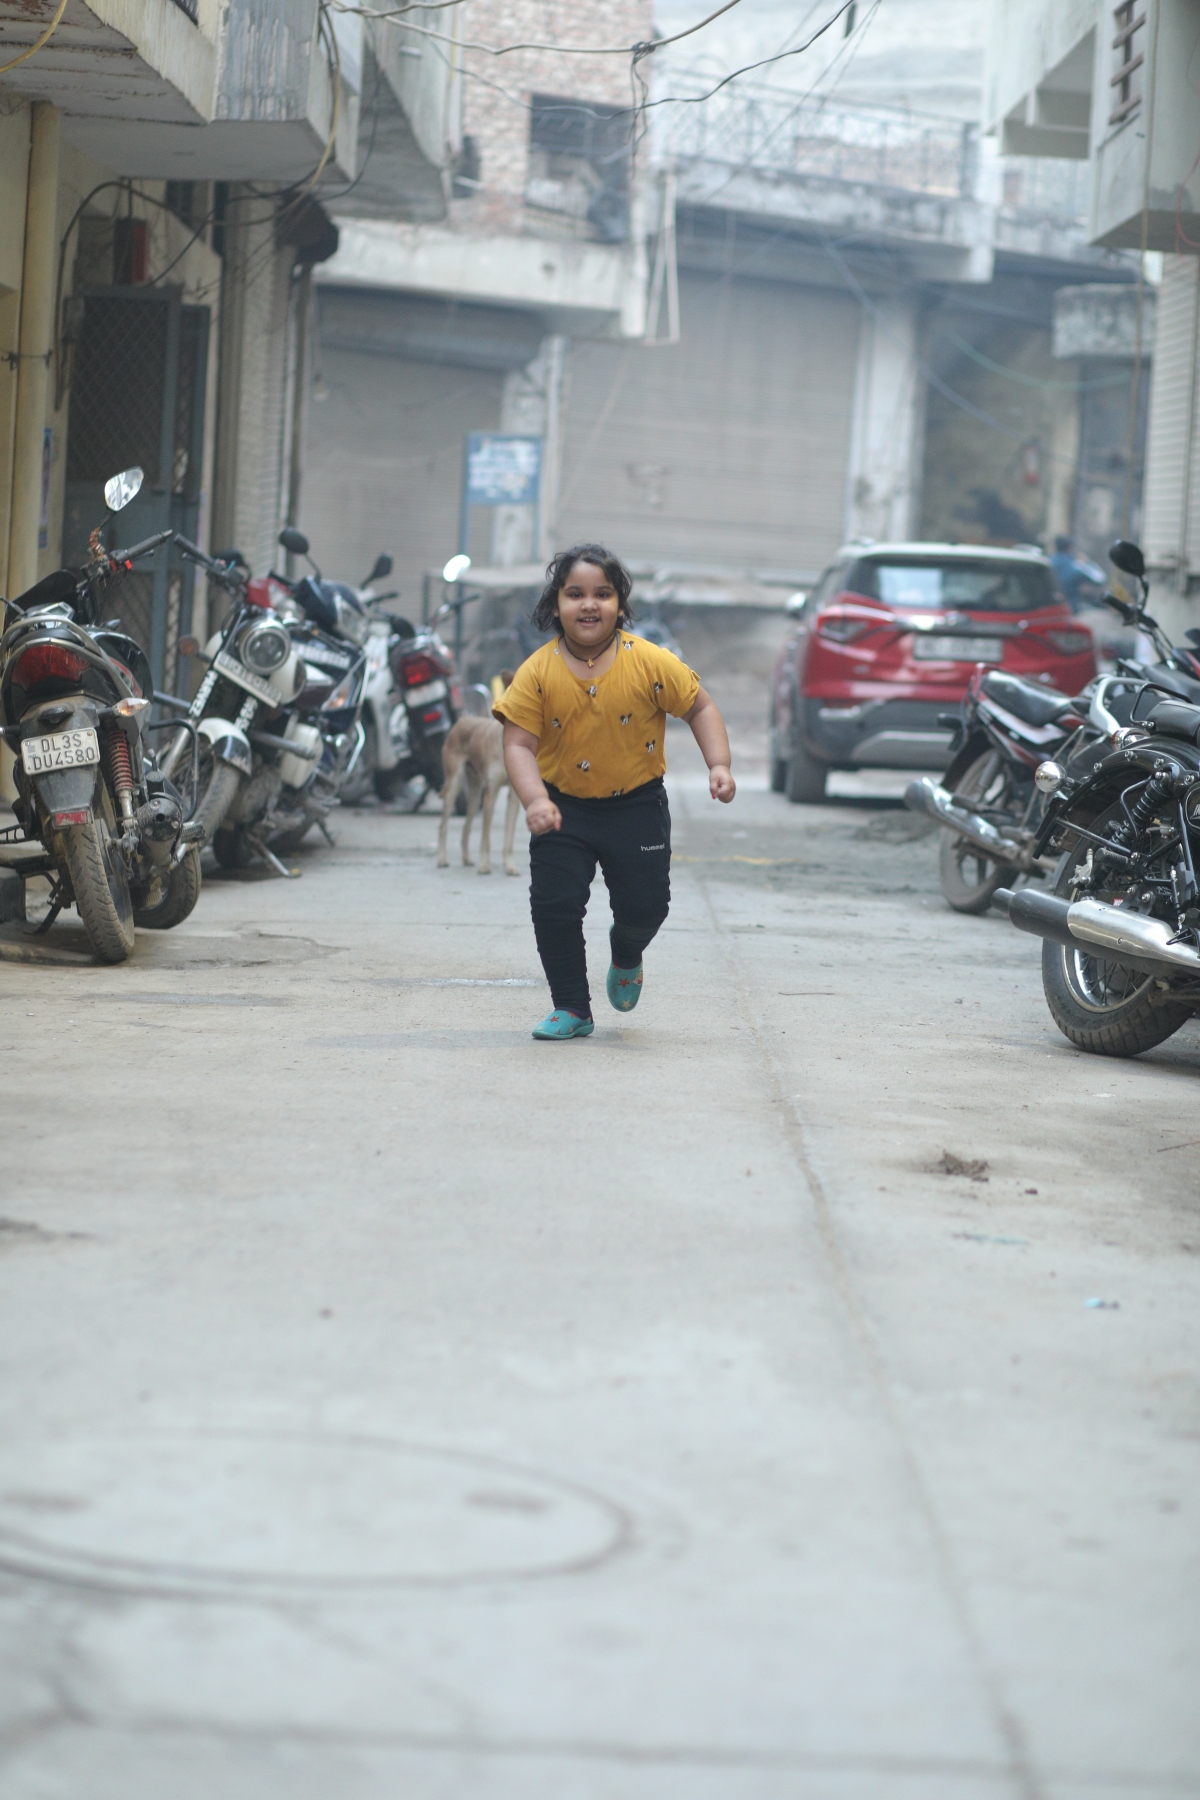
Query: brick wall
(499, 121)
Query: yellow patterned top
(601, 737)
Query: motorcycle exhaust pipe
(927, 796)
(1125, 937)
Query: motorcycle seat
(1025, 699)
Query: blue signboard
(502, 469)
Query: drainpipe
(299, 401)
(36, 345)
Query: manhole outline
(25, 1554)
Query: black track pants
(630, 837)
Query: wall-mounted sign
(502, 469)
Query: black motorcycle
(990, 800)
(75, 697)
(1121, 929)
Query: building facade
(1115, 87)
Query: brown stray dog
(474, 753)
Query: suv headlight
(265, 647)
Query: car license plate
(944, 648)
(65, 750)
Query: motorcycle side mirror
(382, 566)
(1128, 558)
(120, 489)
(294, 541)
(795, 604)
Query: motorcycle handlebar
(142, 549)
(227, 575)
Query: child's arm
(520, 759)
(708, 729)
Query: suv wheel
(805, 777)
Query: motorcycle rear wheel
(100, 884)
(181, 890)
(230, 848)
(1103, 1006)
(285, 842)
(969, 877)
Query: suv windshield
(956, 585)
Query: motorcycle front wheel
(180, 892)
(969, 877)
(100, 882)
(219, 783)
(1103, 1006)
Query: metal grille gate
(137, 398)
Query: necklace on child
(589, 660)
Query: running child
(584, 730)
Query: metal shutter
(383, 468)
(1173, 423)
(729, 448)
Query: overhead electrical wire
(51, 28)
(642, 48)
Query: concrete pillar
(1063, 475)
(883, 479)
(250, 475)
(533, 406)
(14, 176)
(36, 343)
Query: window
(958, 585)
(579, 164)
(1126, 80)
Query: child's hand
(541, 815)
(721, 784)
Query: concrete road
(394, 1406)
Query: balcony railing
(769, 131)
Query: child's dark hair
(559, 567)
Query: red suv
(885, 645)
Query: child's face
(588, 605)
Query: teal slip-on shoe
(563, 1024)
(624, 987)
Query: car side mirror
(795, 604)
(382, 567)
(293, 541)
(1128, 558)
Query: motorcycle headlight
(265, 647)
(351, 623)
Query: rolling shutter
(1172, 446)
(728, 448)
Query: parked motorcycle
(988, 799)
(428, 702)
(257, 754)
(75, 694)
(384, 716)
(1121, 929)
